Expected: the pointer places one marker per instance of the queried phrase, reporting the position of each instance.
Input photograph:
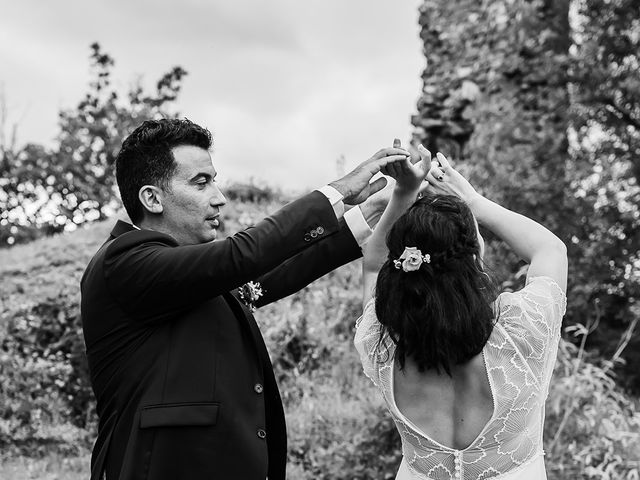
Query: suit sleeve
(151, 276)
(312, 263)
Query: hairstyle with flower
(439, 314)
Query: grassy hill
(338, 427)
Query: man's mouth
(214, 221)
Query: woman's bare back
(450, 410)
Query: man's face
(191, 205)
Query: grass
(338, 426)
(51, 467)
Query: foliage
(51, 467)
(338, 425)
(46, 401)
(606, 121)
(592, 430)
(251, 192)
(543, 115)
(48, 190)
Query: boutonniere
(250, 292)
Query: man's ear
(151, 198)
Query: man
(184, 385)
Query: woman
(464, 374)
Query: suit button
(314, 233)
(320, 230)
(258, 388)
(262, 434)
(307, 238)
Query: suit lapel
(243, 313)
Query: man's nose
(218, 197)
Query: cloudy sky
(286, 86)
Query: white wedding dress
(519, 358)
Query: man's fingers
(377, 185)
(386, 152)
(390, 159)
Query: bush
(592, 429)
(338, 424)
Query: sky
(287, 87)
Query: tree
(496, 97)
(543, 114)
(50, 190)
(606, 121)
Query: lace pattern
(519, 358)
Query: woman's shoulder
(533, 313)
(368, 314)
(538, 292)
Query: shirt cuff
(358, 225)
(335, 199)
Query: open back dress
(519, 358)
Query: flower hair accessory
(249, 293)
(411, 259)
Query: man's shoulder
(120, 243)
(134, 238)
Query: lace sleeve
(366, 341)
(532, 317)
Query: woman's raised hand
(445, 180)
(408, 176)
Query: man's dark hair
(146, 157)
(440, 315)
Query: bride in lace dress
(464, 372)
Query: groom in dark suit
(183, 381)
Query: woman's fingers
(425, 154)
(424, 168)
(391, 169)
(444, 163)
(406, 166)
(431, 177)
(397, 168)
(436, 171)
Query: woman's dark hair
(440, 315)
(146, 158)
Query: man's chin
(211, 235)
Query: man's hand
(355, 187)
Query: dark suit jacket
(183, 381)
